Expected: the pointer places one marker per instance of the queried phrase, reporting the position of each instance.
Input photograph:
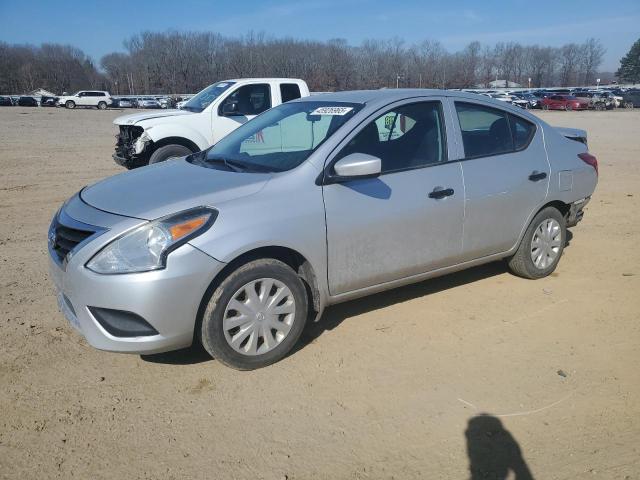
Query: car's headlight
(146, 248)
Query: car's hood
(168, 187)
(132, 119)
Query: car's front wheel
(542, 245)
(255, 316)
(167, 152)
(70, 104)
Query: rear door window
(289, 91)
(485, 130)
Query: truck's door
(240, 106)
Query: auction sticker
(331, 111)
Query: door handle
(439, 193)
(537, 176)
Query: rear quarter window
(522, 131)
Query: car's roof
(262, 79)
(386, 94)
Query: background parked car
(124, 103)
(27, 102)
(596, 100)
(564, 102)
(86, 98)
(503, 97)
(148, 102)
(631, 99)
(530, 99)
(6, 102)
(615, 99)
(48, 101)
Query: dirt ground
(384, 387)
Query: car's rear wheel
(255, 316)
(628, 105)
(169, 151)
(541, 246)
(70, 104)
(545, 107)
(568, 108)
(102, 106)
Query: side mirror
(229, 109)
(356, 166)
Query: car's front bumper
(166, 299)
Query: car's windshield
(279, 139)
(203, 99)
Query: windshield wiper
(234, 165)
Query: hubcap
(259, 316)
(546, 243)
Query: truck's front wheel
(167, 152)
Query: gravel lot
(384, 387)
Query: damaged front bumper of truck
(132, 149)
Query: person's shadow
(493, 452)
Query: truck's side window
(250, 99)
(289, 91)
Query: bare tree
(185, 62)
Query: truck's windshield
(203, 99)
(279, 139)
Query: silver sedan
(317, 201)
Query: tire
(545, 107)
(70, 104)
(628, 105)
(522, 263)
(169, 151)
(568, 108)
(217, 335)
(102, 106)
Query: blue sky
(100, 27)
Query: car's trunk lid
(573, 134)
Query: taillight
(589, 159)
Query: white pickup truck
(216, 111)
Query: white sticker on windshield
(220, 85)
(331, 111)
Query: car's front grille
(64, 238)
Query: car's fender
(166, 130)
